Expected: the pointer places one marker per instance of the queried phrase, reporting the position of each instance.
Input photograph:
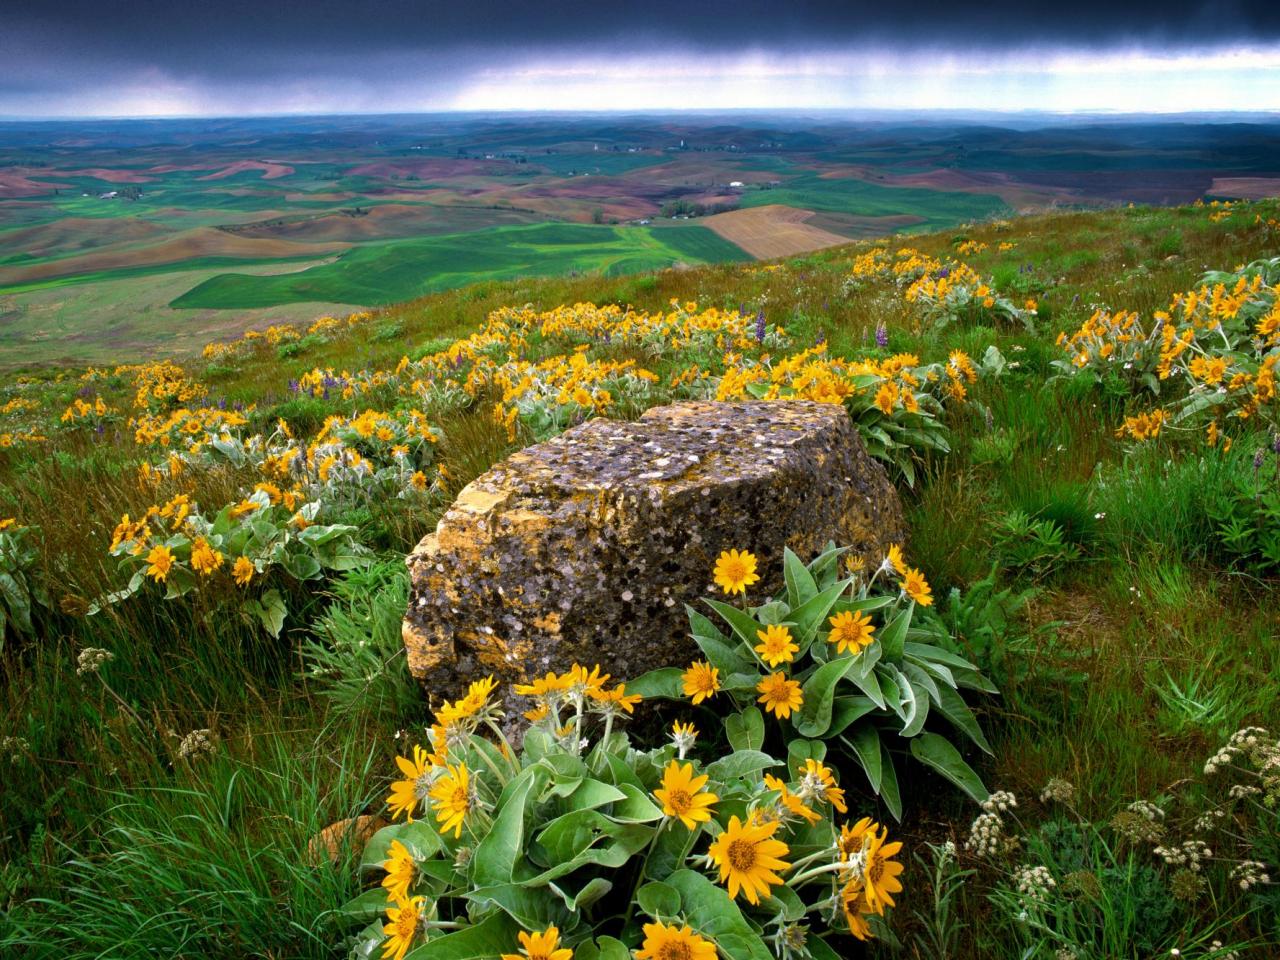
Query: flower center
(674, 951)
(407, 925)
(680, 800)
(875, 869)
(742, 855)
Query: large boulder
(586, 547)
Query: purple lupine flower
(1275, 443)
(882, 336)
(1257, 459)
(760, 326)
(943, 273)
(294, 386)
(85, 392)
(820, 339)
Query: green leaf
(270, 610)
(798, 751)
(611, 949)
(670, 850)
(918, 706)
(301, 566)
(814, 717)
(739, 765)
(870, 685)
(495, 857)
(659, 899)
(491, 937)
(745, 730)
(635, 806)
(662, 684)
(800, 583)
(419, 837)
(865, 744)
(785, 903)
(889, 791)
(952, 706)
(590, 794)
(927, 651)
(708, 909)
(810, 616)
(533, 909)
(937, 752)
(744, 626)
(370, 904)
(893, 638)
(719, 650)
(846, 711)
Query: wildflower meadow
(1045, 725)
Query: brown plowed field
(270, 171)
(79, 233)
(190, 245)
(772, 231)
(16, 184)
(1246, 188)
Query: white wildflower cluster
(1034, 883)
(1066, 953)
(15, 748)
(1147, 809)
(986, 835)
(195, 744)
(1248, 740)
(92, 659)
(1002, 801)
(1190, 854)
(1209, 820)
(1251, 747)
(1217, 951)
(1058, 790)
(1250, 873)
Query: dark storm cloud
(252, 36)
(156, 56)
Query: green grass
(936, 208)
(378, 274)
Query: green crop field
(385, 273)
(937, 208)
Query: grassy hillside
(167, 760)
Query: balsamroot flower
(735, 571)
(748, 856)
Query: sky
(77, 58)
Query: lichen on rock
(587, 547)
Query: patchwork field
(773, 231)
(258, 215)
(379, 274)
